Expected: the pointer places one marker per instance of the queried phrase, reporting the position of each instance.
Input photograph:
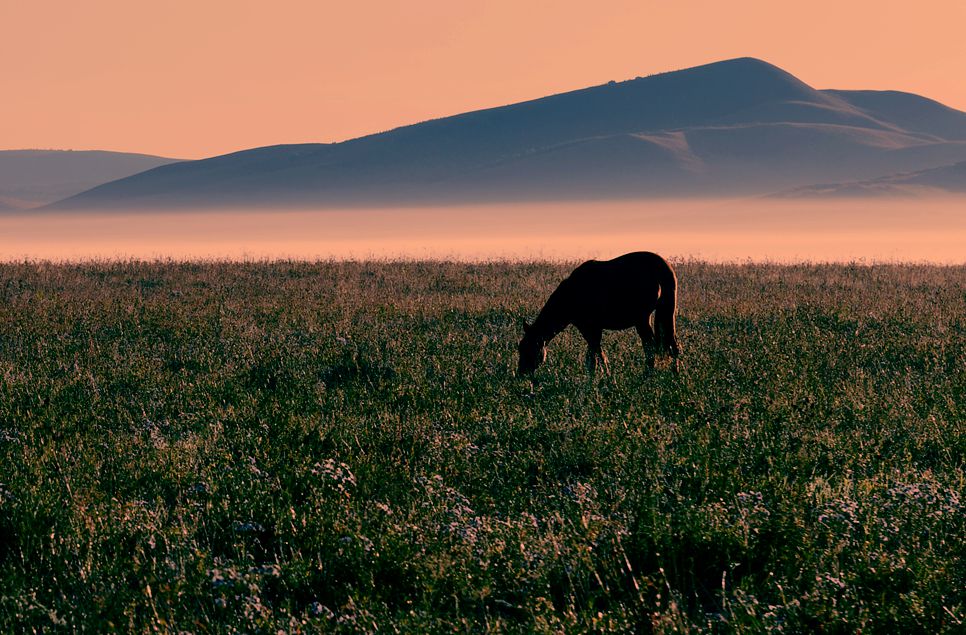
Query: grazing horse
(611, 294)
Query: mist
(721, 230)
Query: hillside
(29, 178)
(909, 111)
(740, 126)
(948, 179)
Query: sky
(197, 78)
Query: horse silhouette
(610, 294)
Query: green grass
(344, 447)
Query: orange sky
(193, 78)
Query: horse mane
(555, 314)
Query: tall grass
(342, 446)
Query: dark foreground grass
(342, 447)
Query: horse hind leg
(648, 341)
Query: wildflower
(199, 489)
(317, 609)
(247, 528)
(338, 475)
(266, 570)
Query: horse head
(533, 351)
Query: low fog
(867, 230)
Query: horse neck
(552, 319)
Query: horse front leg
(595, 355)
(593, 359)
(603, 360)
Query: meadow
(343, 447)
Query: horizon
(214, 93)
(719, 230)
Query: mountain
(948, 179)
(29, 178)
(736, 127)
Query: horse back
(616, 294)
(621, 274)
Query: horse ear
(526, 327)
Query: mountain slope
(948, 179)
(912, 112)
(738, 126)
(29, 178)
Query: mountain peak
(751, 77)
(745, 64)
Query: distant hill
(908, 111)
(948, 179)
(737, 127)
(29, 178)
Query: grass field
(343, 447)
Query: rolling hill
(30, 178)
(737, 127)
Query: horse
(610, 294)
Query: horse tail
(664, 327)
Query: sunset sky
(190, 79)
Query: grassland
(343, 447)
